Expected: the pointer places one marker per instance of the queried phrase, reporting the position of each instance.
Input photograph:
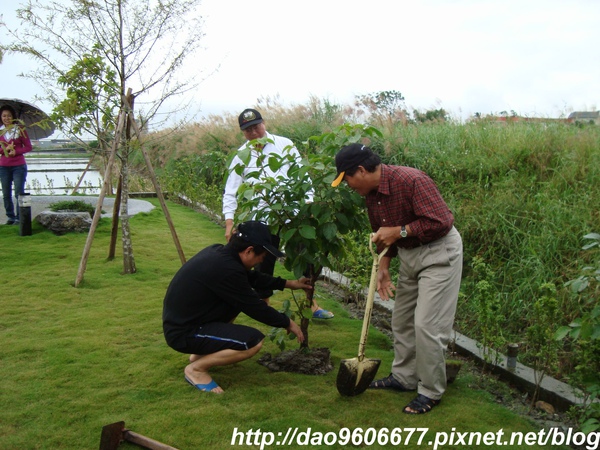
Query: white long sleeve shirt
(234, 180)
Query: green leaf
(245, 215)
(575, 333)
(307, 232)
(288, 234)
(596, 332)
(590, 425)
(579, 285)
(329, 231)
(244, 155)
(306, 313)
(315, 209)
(562, 332)
(342, 219)
(255, 174)
(576, 323)
(275, 163)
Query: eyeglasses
(252, 129)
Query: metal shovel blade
(112, 436)
(115, 433)
(354, 376)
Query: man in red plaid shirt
(409, 215)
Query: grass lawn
(75, 359)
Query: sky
(538, 58)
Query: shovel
(115, 433)
(355, 375)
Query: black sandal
(421, 405)
(389, 383)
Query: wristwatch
(403, 232)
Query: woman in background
(13, 168)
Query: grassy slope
(76, 359)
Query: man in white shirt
(253, 126)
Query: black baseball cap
(349, 157)
(249, 117)
(258, 233)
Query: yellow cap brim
(338, 180)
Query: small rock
(546, 407)
(62, 222)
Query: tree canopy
(131, 44)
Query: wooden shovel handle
(370, 298)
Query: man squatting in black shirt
(210, 290)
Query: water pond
(59, 175)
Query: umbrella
(36, 121)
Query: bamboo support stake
(83, 174)
(159, 193)
(98, 212)
(125, 119)
(115, 223)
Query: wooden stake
(98, 212)
(83, 174)
(159, 193)
(123, 120)
(115, 223)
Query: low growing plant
(73, 205)
(585, 334)
(198, 178)
(542, 348)
(487, 305)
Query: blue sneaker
(322, 314)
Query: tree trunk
(304, 322)
(304, 327)
(128, 258)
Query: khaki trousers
(423, 315)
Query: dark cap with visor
(258, 233)
(349, 157)
(249, 117)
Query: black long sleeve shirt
(214, 286)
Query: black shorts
(216, 336)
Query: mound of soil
(316, 361)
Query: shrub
(73, 205)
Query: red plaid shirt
(407, 196)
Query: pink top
(18, 137)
